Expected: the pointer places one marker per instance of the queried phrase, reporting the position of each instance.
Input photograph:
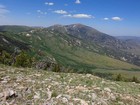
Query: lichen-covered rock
(46, 64)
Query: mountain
(103, 43)
(132, 41)
(128, 37)
(88, 34)
(78, 46)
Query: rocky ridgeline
(20, 86)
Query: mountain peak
(77, 25)
(57, 25)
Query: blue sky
(114, 17)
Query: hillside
(128, 37)
(72, 51)
(28, 86)
(89, 34)
(101, 43)
(14, 28)
(133, 41)
(10, 44)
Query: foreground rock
(20, 86)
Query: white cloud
(42, 13)
(3, 11)
(106, 18)
(60, 12)
(45, 13)
(82, 16)
(38, 11)
(2, 6)
(69, 15)
(77, 1)
(116, 18)
(65, 4)
(79, 16)
(49, 3)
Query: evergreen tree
(23, 60)
(5, 58)
(56, 68)
(119, 77)
(134, 79)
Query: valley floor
(20, 86)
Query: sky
(114, 17)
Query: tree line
(21, 59)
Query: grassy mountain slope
(15, 28)
(89, 34)
(27, 86)
(10, 44)
(68, 50)
(101, 42)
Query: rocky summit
(24, 86)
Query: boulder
(46, 64)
